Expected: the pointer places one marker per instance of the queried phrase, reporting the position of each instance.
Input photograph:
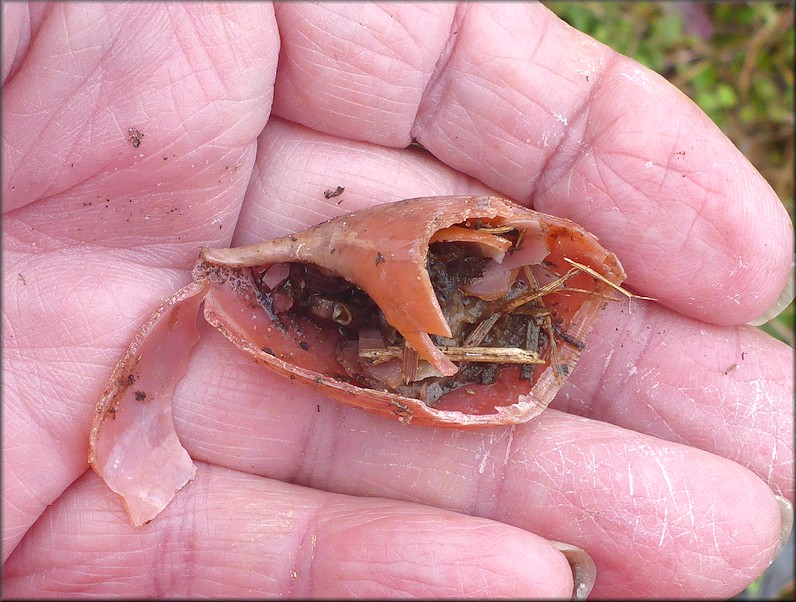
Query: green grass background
(736, 61)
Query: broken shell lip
(289, 247)
(133, 420)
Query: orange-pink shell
(383, 250)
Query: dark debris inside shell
(320, 295)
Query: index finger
(550, 117)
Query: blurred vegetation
(735, 60)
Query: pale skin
(662, 455)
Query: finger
(560, 120)
(635, 503)
(727, 390)
(173, 103)
(80, 273)
(358, 70)
(235, 535)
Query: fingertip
(784, 299)
(786, 523)
(584, 571)
(417, 551)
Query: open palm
(134, 134)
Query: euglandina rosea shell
(453, 311)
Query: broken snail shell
(459, 311)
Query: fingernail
(786, 523)
(782, 302)
(584, 572)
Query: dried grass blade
(479, 333)
(616, 287)
(540, 292)
(496, 355)
(409, 360)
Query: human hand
(662, 450)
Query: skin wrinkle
(50, 116)
(205, 443)
(15, 480)
(580, 115)
(671, 169)
(503, 133)
(197, 63)
(586, 150)
(48, 423)
(661, 424)
(68, 369)
(141, 258)
(395, 44)
(315, 439)
(487, 486)
(191, 51)
(16, 41)
(37, 140)
(760, 418)
(375, 54)
(701, 210)
(773, 459)
(692, 224)
(156, 564)
(302, 96)
(431, 89)
(777, 441)
(513, 136)
(119, 48)
(436, 568)
(303, 562)
(607, 167)
(191, 524)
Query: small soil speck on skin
(330, 194)
(135, 135)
